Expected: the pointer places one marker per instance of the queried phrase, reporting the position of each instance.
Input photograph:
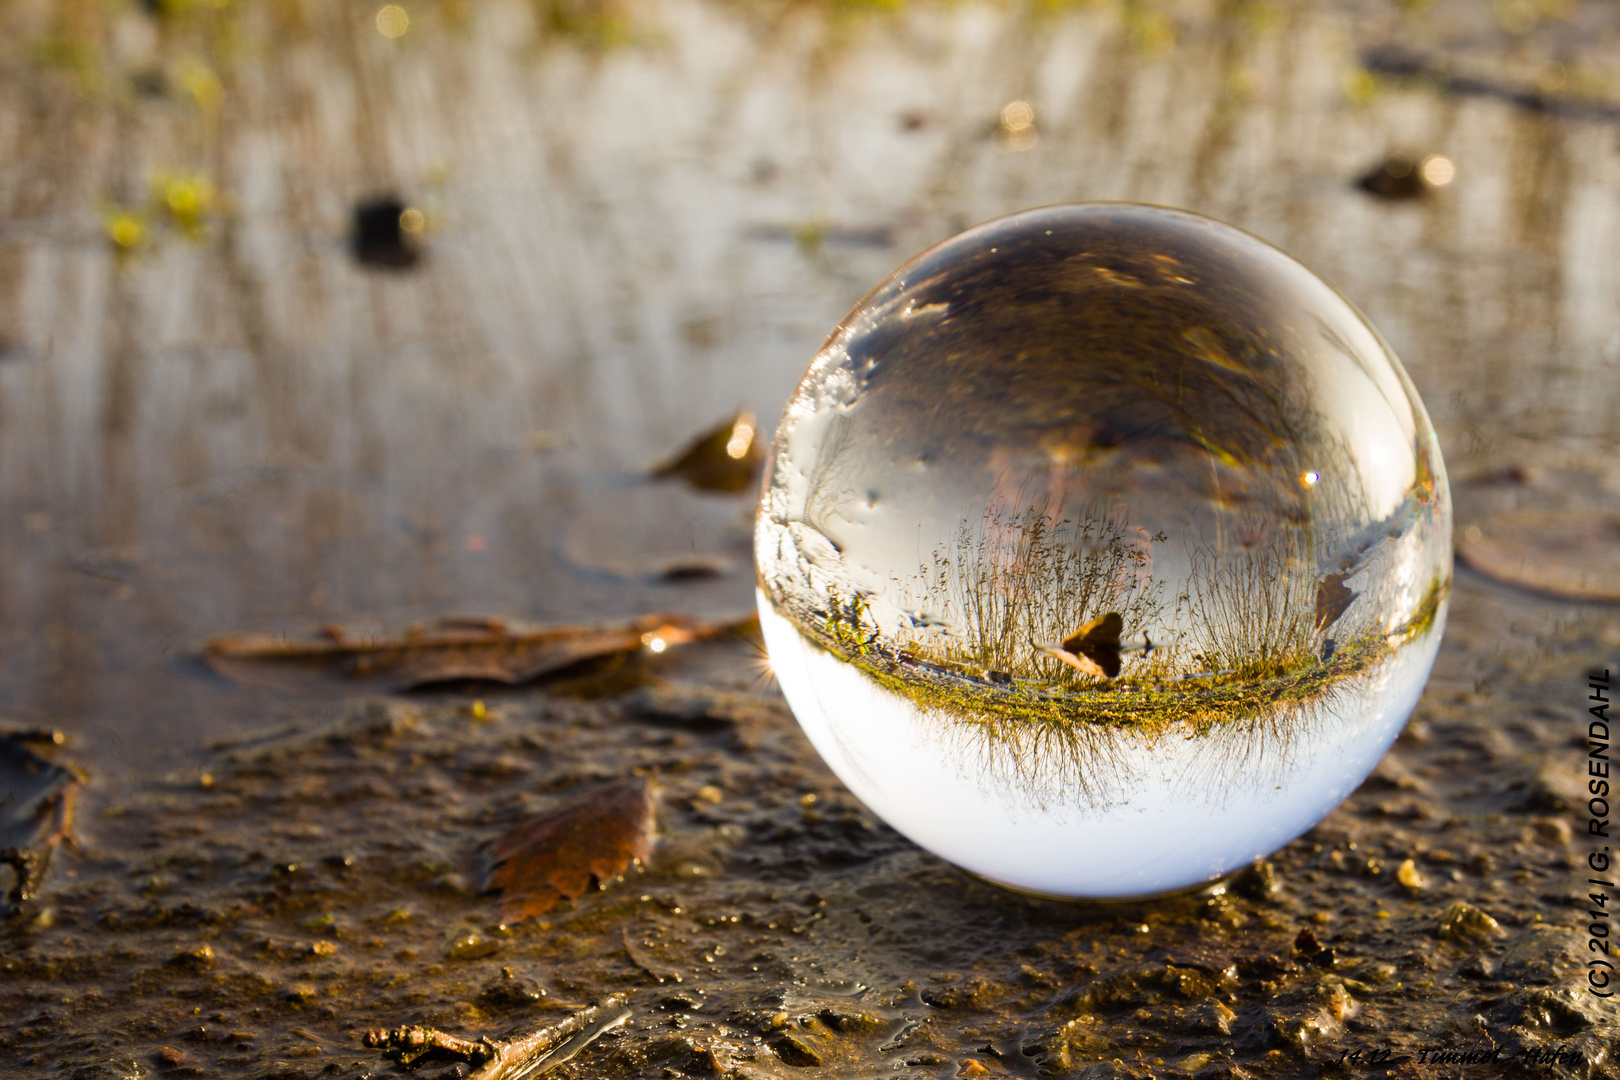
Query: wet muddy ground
(635, 219)
(256, 913)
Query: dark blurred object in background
(1405, 176)
(382, 228)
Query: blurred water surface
(636, 218)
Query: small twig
(497, 1059)
(517, 1057)
(62, 826)
(409, 1043)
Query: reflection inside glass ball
(1105, 549)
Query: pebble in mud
(1464, 922)
(169, 1057)
(195, 957)
(472, 947)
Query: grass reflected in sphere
(1104, 549)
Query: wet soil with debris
(256, 915)
(220, 414)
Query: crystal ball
(1104, 548)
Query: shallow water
(246, 429)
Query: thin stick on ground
(497, 1059)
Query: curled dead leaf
(447, 650)
(557, 855)
(726, 458)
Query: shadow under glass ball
(1105, 548)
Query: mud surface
(635, 218)
(255, 915)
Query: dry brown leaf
(1333, 599)
(726, 458)
(557, 855)
(1093, 649)
(1570, 553)
(446, 650)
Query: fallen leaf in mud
(556, 855)
(726, 458)
(1571, 554)
(36, 808)
(447, 650)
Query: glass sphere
(1104, 548)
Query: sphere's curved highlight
(1104, 548)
